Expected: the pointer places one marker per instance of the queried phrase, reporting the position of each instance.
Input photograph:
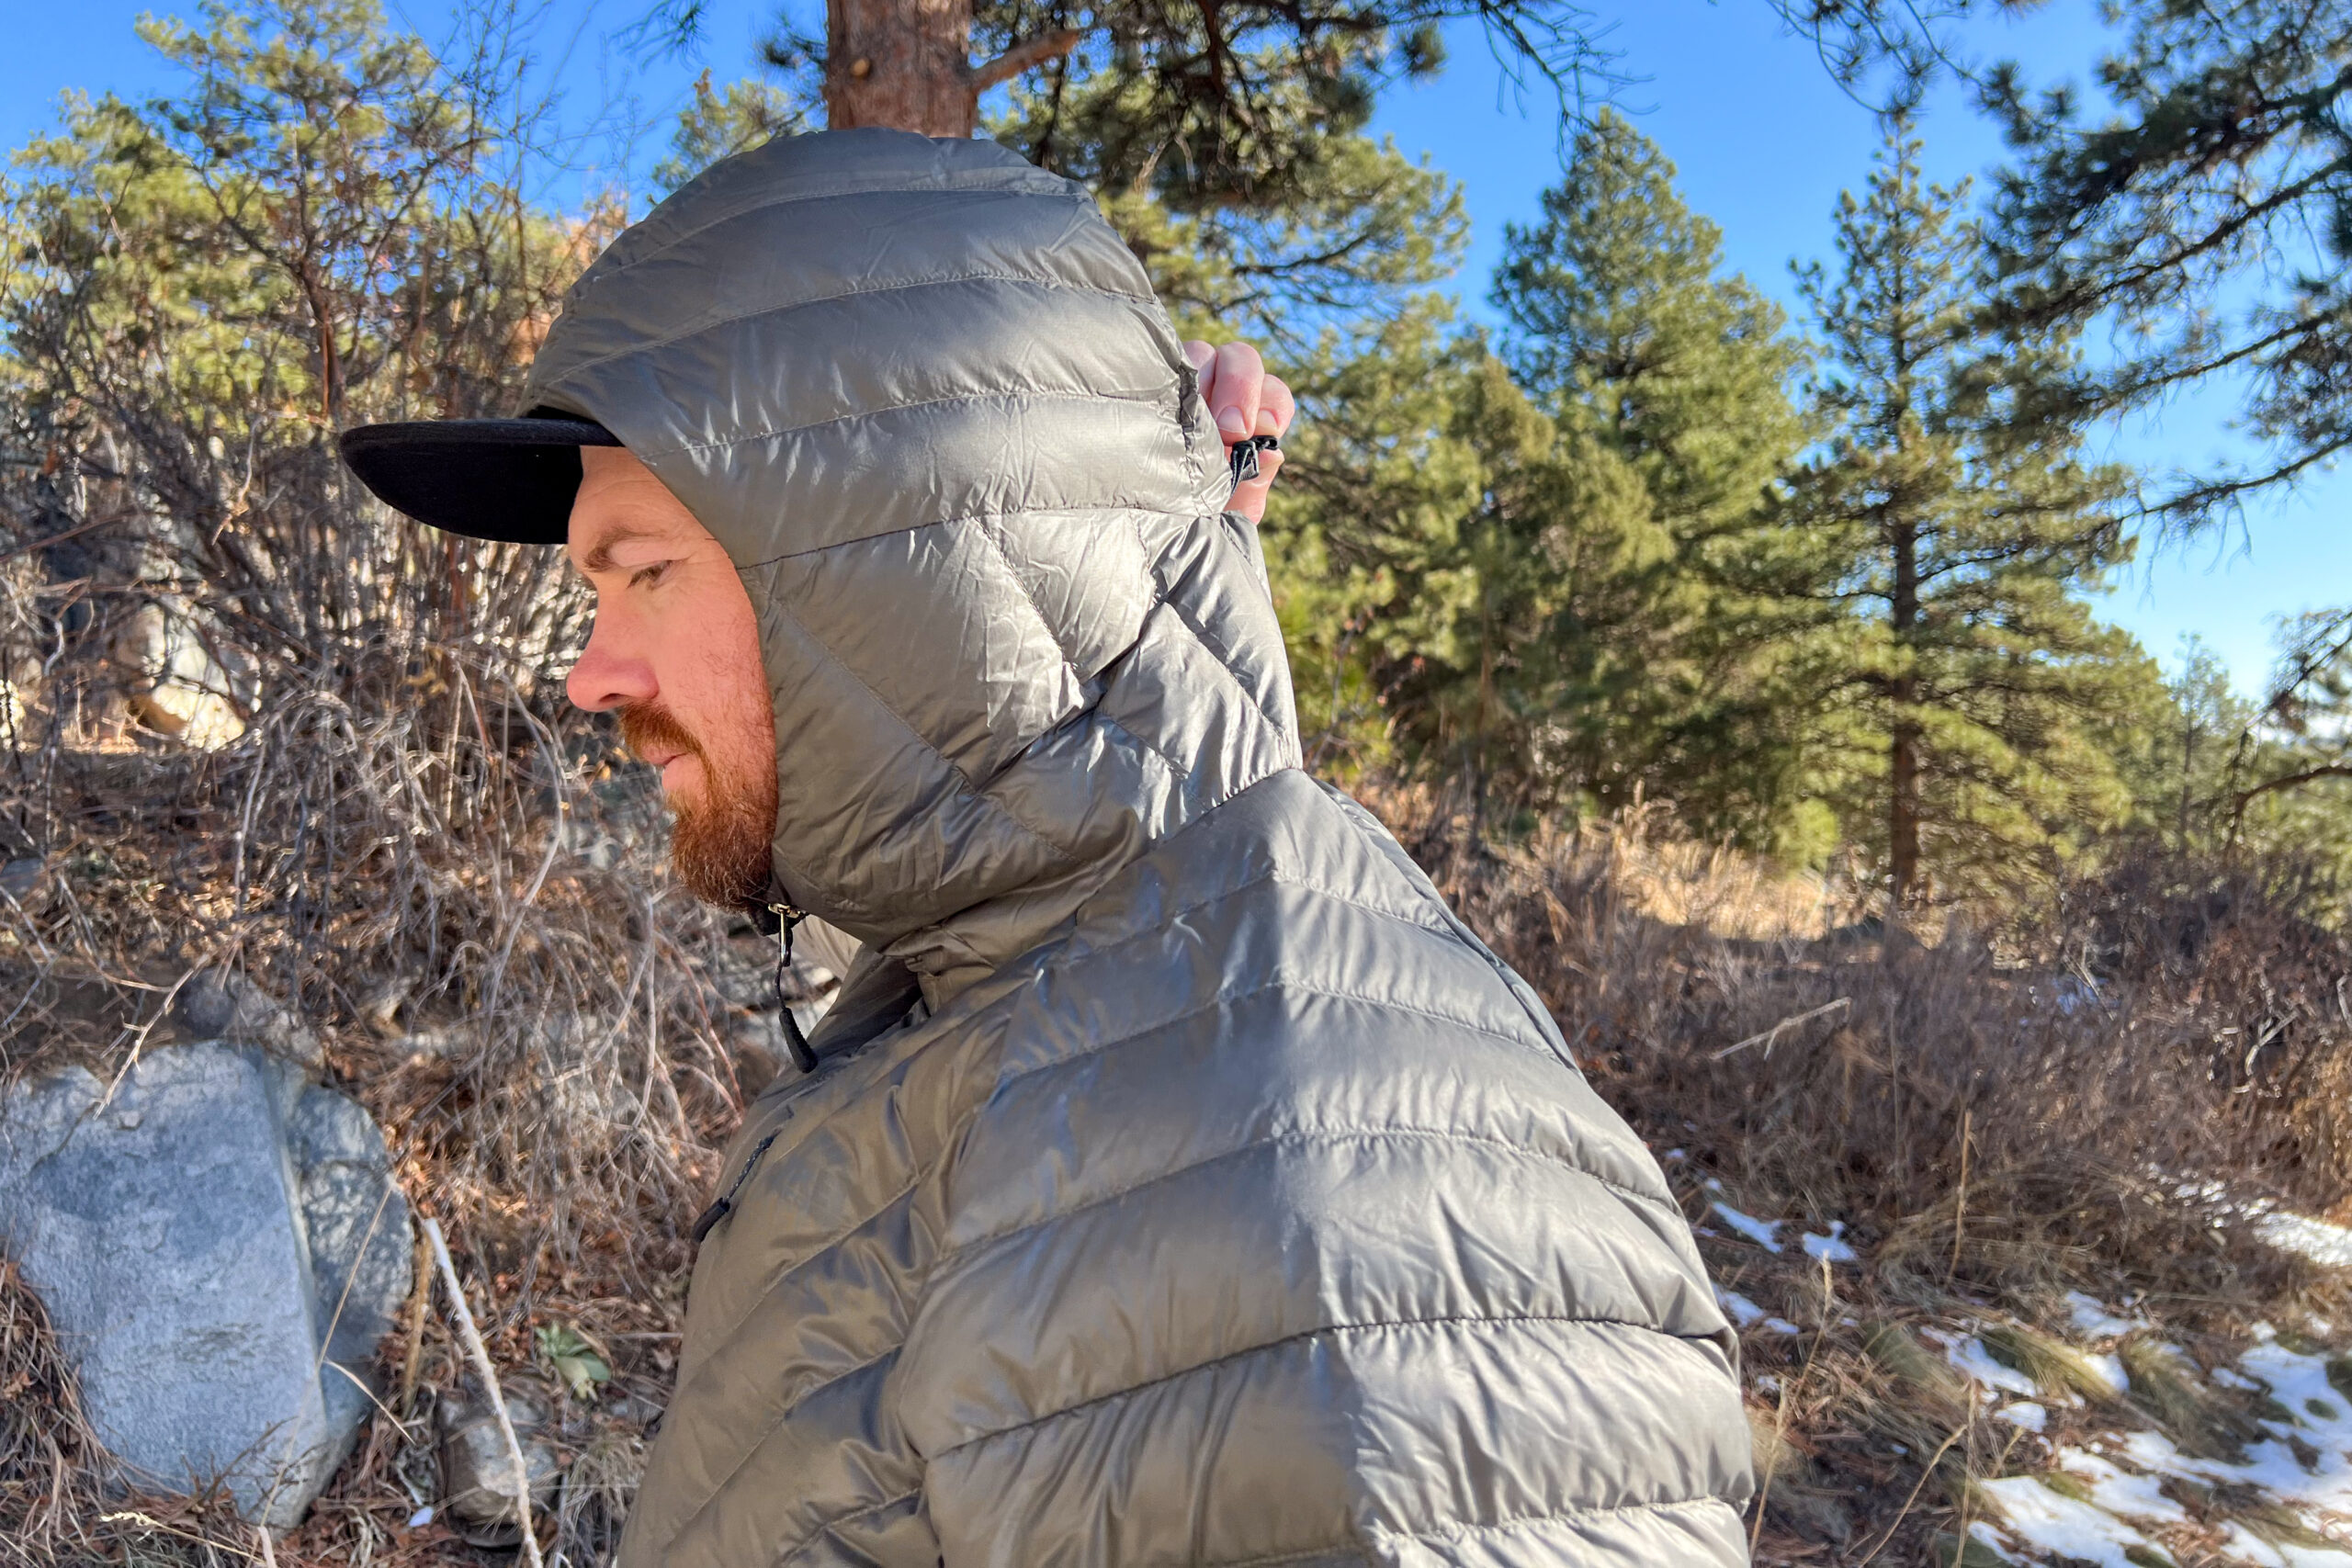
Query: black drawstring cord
(1244, 457)
(795, 1043)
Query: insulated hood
(923, 394)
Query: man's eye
(646, 576)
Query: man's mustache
(651, 731)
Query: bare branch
(1024, 56)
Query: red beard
(719, 845)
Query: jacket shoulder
(1279, 1179)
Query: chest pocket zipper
(726, 1205)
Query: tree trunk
(905, 64)
(1902, 759)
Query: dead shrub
(1983, 1116)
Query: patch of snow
(2243, 1545)
(2092, 1321)
(1831, 1248)
(1748, 1315)
(1763, 1232)
(2120, 1492)
(2050, 1522)
(2025, 1413)
(1738, 1308)
(1968, 1355)
(1990, 1539)
(2110, 1368)
(2329, 1246)
(424, 1516)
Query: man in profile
(1175, 1179)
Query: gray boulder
(220, 1247)
(222, 1004)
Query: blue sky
(1763, 138)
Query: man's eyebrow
(600, 556)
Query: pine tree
(1553, 578)
(1956, 484)
(1669, 384)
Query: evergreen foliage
(1619, 554)
(1555, 575)
(1672, 388)
(1977, 681)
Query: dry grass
(1997, 1118)
(552, 1038)
(1981, 1122)
(457, 887)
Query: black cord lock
(795, 1043)
(1243, 456)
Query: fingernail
(1230, 424)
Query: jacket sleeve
(1306, 1279)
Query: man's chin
(722, 858)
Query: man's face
(675, 649)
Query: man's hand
(1244, 400)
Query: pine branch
(1023, 56)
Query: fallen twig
(481, 1354)
(1774, 1033)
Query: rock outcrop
(219, 1245)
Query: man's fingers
(1240, 381)
(1275, 407)
(1249, 499)
(1243, 401)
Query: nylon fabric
(1221, 1200)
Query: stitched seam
(1218, 657)
(1368, 828)
(805, 1541)
(1183, 777)
(982, 182)
(782, 607)
(993, 533)
(871, 291)
(1136, 510)
(1273, 874)
(1302, 1136)
(961, 778)
(1347, 1549)
(752, 1448)
(1007, 395)
(1456, 1528)
(1279, 983)
(818, 1124)
(822, 1249)
(1381, 1326)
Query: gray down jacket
(1180, 1183)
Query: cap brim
(510, 479)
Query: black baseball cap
(510, 480)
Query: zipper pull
(795, 1043)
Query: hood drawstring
(1244, 457)
(795, 1041)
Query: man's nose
(607, 676)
